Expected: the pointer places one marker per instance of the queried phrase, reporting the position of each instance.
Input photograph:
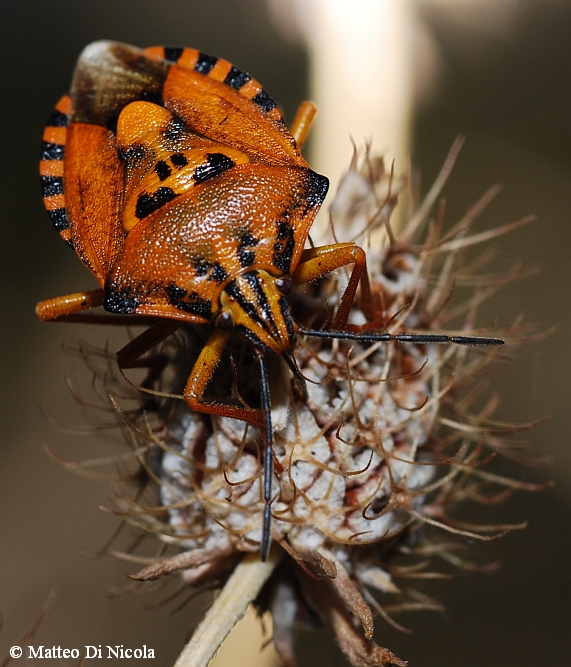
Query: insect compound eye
(284, 285)
(225, 321)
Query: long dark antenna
(268, 462)
(419, 338)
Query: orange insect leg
(317, 262)
(302, 122)
(202, 374)
(60, 306)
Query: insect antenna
(419, 338)
(267, 458)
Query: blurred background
(497, 72)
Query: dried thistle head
(373, 444)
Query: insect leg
(317, 262)
(202, 374)
(267, 458)
(302, 122)
(61, 306)
(128, 356)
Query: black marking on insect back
(247, 306)
(174, 130)
(286, 314)
(316, 189)
(173, 53)
(135, 154)
(264, 101)
(58, 119)
(253, 279)
(255, 282)
(163, 170)
(148, 203)
(219, 273)
(200, 265)
(59, 218)
(192, 303)
(196, 305)
(51, 185)
(123, 301)
(216, 163)
(52, 151)
(175, 293)
(178, 160)
(257, 306)
(205, 63)
(284, 246)
(251, 336)
(247, 257)
(236, 78)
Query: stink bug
(174, 178)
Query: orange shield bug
(174, 178)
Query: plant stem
(239, 592)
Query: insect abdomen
(51, 167)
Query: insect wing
(219, 101)
(110, 75)
(93, 182)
